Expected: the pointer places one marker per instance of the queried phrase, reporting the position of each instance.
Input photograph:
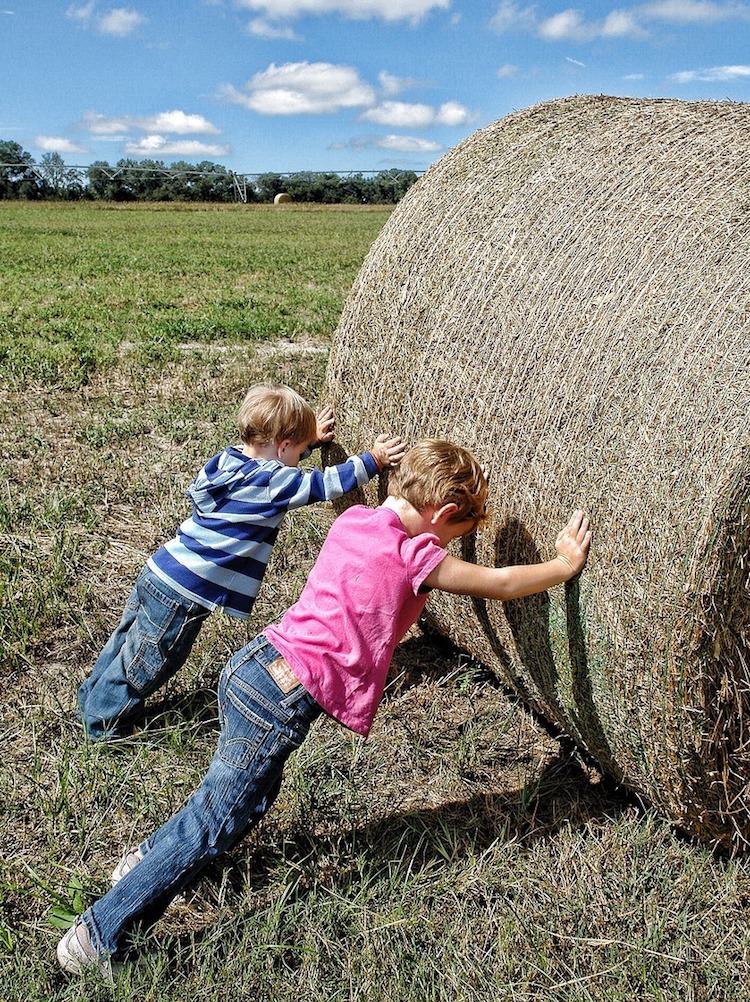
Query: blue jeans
(261, 725)
(155, 636)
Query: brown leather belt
(282, 675)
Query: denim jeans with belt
(155, 636)
(261, 725)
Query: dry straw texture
(567, 293)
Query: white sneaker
(130, 860)
(76, 953)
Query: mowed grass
(461, 853)
(78, 283)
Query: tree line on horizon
(21, 177)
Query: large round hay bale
(567, 293)
(282, 198)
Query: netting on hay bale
(567, 293)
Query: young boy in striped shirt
(219, 555)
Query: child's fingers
(389, 441)
(575, 520)
(574, 540)
(578, 525)
(325, 422)
(583, 536)
(390, 449)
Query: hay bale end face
(567, 294)
(283, 198)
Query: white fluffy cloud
(393, 143)
(402, 115)
(58, 144)
(512, 16)
(392, 85)
(453, 114)
(156, 146)
(407, 144)
(324, 88)
(692, 11)
(156, 139)
(103, 125)
(389, 10)
(566, 24)
(262, 28)
(712, 74)
(302, 89)
(175, 121)
(571, 24)
(118, 21)
(178, 122)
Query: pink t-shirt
(361, 597)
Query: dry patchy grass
(462, 852)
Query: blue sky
(287, 85)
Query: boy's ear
(281, 445)
(444, 513)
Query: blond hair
(434, 473)
(272, 412)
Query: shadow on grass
(565, 794)
(403, 844)
(562, 796)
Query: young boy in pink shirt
(329, 654)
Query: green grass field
(461, 853)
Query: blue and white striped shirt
(219, 555)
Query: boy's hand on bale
(324, 425)
(388, 451)
(573, 542)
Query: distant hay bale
(283, 198)
(567, 293)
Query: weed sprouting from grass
(33, 583)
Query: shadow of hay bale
(560, 799)
(567, 293)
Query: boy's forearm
(506, 583)
(521, 580)
(498, 583)
(334, 481)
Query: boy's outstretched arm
(506, 583)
